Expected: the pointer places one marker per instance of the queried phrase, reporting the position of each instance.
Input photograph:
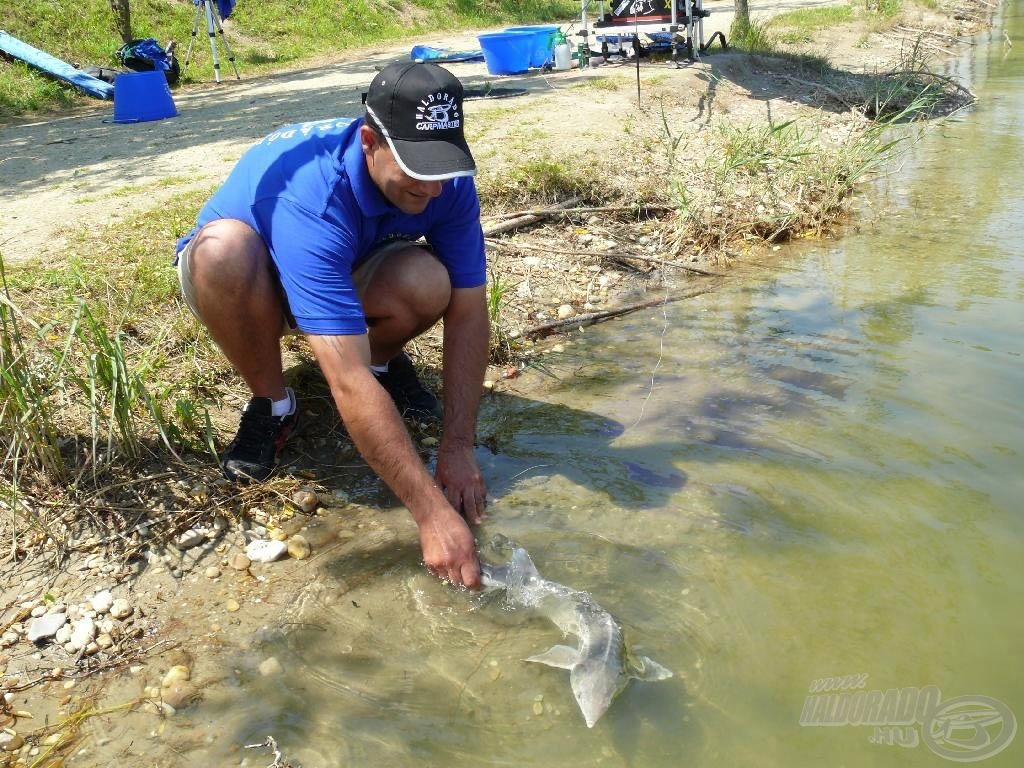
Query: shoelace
(254, 430)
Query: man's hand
(449, 551)
(459, 477)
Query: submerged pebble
(298, 547)
(263, 551)
(306, 500)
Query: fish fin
(647, 668)
(561, 656)
(522, 564)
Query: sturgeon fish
(602, 665)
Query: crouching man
(318, 230)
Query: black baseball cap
(417, 107)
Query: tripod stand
(213, 25)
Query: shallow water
(813, 472)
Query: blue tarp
(51, 65)
(429, 53)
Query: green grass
(801, 25)
(264, 35)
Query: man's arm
(466, 348)
(377, 430)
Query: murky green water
(812, 473)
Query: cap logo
(437, 112)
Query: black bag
(146, 55)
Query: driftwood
(592, 209)
(606, 255)
(531, 218)
(590, 318)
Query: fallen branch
(531, 218)
(820, 86)
(590, 318)
(933, 33)
(593, 209)
(602, 255)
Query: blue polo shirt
(306, 190)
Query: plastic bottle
(563, 53)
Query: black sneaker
(252, 455)
(410, 397)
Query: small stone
(270, 667)
(121, 609)
(10, 742)
(104, 641)
(102, 601)
(558, 349)
(46, 626)
(232, 606)
(538, 708)
(240, 561)
(9, 639)
(429, 441)
(175, 674)
(38, 611)
(82, 633)
(180, 694)
(220, 523)
(263, 551)
(213, 572)
(298, 547)
(488, 384)
(565, 311)
(306, 500)
(190, 538)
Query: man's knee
(405, 280)
(227, 252)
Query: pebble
(82, 633)
(213, 572)
(565, 311)
(176, 674)
(102, 601)
(191, 538)
(232, 606)
(298, 547)
(429, 441)
(46, 626)
(270, 667)
(306, 500)
(121, 609)
(180, 694)
(39, 610)
(263, 551)
(104, 641)
(240, 561)
(10, 742)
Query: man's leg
(405, 293)
(229, 283)
(237, 297)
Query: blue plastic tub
(507, 53)
(543, 42)
(142, 96)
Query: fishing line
(657, 365)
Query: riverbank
(650, 208)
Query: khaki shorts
(360, 278)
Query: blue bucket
(506, 53)
(543, 42)
(142, 96)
